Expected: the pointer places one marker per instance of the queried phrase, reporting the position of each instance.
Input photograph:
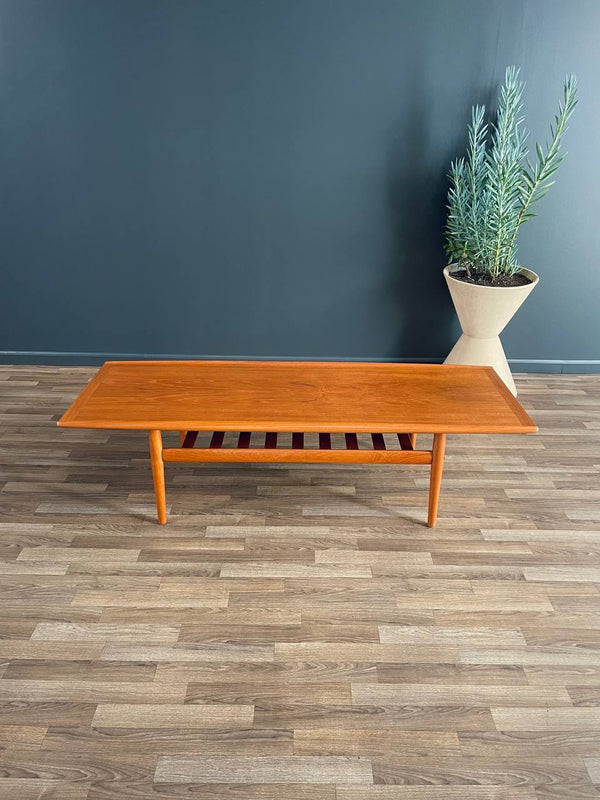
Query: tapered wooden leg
(413, 440)
(182, 435)
(435, 480)
(158, 474)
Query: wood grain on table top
(297, 396)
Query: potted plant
(492, 191)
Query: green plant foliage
(493, 187)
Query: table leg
(158, 474)
(413, 440)
(435, 480)
(182, 435)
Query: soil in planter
(502, 280)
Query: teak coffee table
(261, 399)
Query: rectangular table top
(308, 396)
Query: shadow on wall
(416, 201)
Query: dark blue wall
(267, 177)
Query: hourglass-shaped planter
(484, 312)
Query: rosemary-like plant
(493, 187)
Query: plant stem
(552, 151)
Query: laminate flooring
(297, 632)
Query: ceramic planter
(484, 312)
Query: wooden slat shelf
(352, 452)
(271, 440)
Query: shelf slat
(217, 439)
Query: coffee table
(265, 400)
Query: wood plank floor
(296, 632)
